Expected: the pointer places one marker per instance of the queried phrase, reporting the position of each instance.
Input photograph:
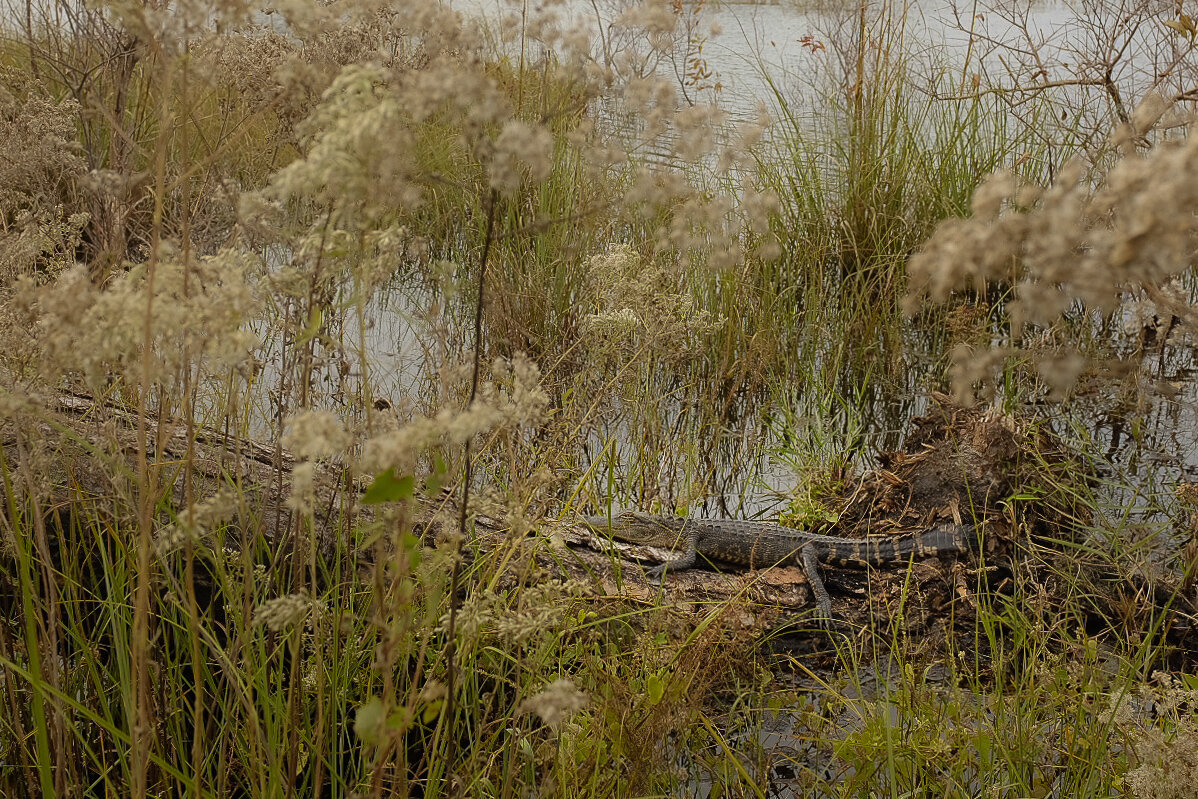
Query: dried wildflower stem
(455, 579)
(192, 605)
(141, 737)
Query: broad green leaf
(430, 712)
(389, 488)
(657, 688)
(368, 722)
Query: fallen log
(73, 453)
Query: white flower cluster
(1093, 239)
(313, 434)
(187, 313)
(522, 153)
(555, 703)
(641, 310)
(194, 522)
(513, 398)
(285, 612)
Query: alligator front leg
(688, 536)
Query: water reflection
(751, 48)
(720, 445)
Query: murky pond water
(739, 459)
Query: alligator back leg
(818, 590)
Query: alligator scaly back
(762, 545)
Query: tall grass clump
(892, 121)
(885, 132)
(867, 155)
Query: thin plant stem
(468, 475)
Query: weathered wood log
(68, 448)
(71, 451)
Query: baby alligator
(760, 544)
